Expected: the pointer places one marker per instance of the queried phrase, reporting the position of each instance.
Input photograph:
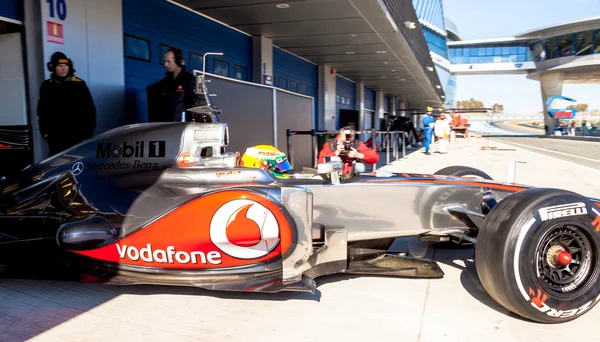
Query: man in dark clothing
(178, 86)
(66, 110)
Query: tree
(582, 107)
(472, 103)
(498, 108)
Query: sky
(480, 19)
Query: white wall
(327, 117)
(262, 59)
(93, 40)
(12, 81)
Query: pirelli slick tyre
(538, 254)
(463, 171)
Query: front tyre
(538, 254)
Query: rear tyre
(538, 254)
(463, 171)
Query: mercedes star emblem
(77, 168)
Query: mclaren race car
(164, 203)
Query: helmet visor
(282, 165)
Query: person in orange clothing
(350, 150)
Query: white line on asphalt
(543, 149)
(561, 160)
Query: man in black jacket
(66, 110)
(178, 86)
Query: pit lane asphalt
(512, 126)
(585, 153)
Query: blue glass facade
(492, 53)
(436, 42)
(448, 82)
(450, 91)
(433, 25)
(431, 11)
(573, 44)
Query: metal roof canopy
(360, 39)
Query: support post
(315, 153)
(289, 144)
(403, 145)
(512, 170)
(387, 149)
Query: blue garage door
(150, 27)
(11, 10)
(295, 74)
(369, 99)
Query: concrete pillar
(327, 117)
(262, 60)
(35, 71)
(551, 84)
(379, 109)
(394, 105)
(360, 103)
(402, 105)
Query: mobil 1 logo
(130, 155)
(135, 149)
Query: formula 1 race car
(163, 203)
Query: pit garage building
(297, 64)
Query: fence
(392, 135)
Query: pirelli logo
(563, 210)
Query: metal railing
(387, 137)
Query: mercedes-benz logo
(77, 168)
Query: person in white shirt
(442, 132)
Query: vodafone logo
(269, 153)
(244, 229)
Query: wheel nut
(564, 258)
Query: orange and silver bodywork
(163, 204)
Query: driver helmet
(267, 157)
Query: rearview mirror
(332, 168)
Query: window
(583, 43)
(302, 89)
(220, 68)
(338, 98)
(195, 62)
(294, 86)
(137, 48)
(282, 82)
(163, 49)
(240, 72)
(552, 48)
(565, 45)
(597, 39)
(537, 51)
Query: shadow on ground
(461, 258)
(30, 307)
